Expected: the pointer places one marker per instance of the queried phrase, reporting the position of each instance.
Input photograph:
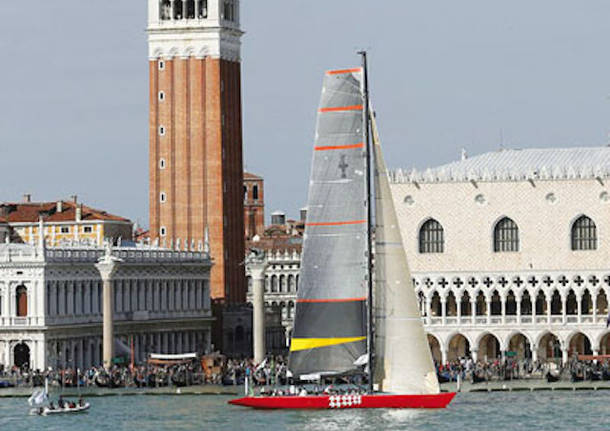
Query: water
(561, 410)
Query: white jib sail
(403, 359)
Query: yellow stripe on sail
(312, 343)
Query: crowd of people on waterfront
(273, 371)
(219, 370)
(513, 369)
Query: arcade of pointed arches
(543, 345)
(533, 298)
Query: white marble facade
(50, 304)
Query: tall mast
(369, 201)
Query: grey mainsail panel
(330, 323)
(403, 359)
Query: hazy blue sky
(444, 75)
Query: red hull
(377, 401)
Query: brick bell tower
(196, 169)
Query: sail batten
(330, 318)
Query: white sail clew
(403, 359)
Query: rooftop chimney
(27, 198)
(74, 198)
(79, 212)
(60, 206)
(303, 214)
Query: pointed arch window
(584, 234)
(506, 235)
(431, 237)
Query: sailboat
(356, 311)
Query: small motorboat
(47, 410)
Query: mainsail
(330, 323)
(403, 361)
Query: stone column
(107, 266)
(257, 263)
(548, 311)
(533, 310)
(488, 309)
(503, 310)
(473, 310)
(444, 310)
(579, 308)
(518, 299)
(564, 303)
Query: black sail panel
(330, 322)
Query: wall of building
(161, 302)
(544, 211)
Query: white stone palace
(509, 252)
(51, 303)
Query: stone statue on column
(256, 263)
(107, 266)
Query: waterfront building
(509, 253)
(195, 129)
(281, 244)
(65, 222)
(51, 303)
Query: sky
(444, 75)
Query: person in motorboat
(60, 402)
(81, 402)
(303, 392)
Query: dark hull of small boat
(551, 378)
(376, 401)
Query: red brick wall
(202, 182)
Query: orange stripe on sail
(342, 108)
(336, 223)
(341, 71)
(339, 147)
(333, 300)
